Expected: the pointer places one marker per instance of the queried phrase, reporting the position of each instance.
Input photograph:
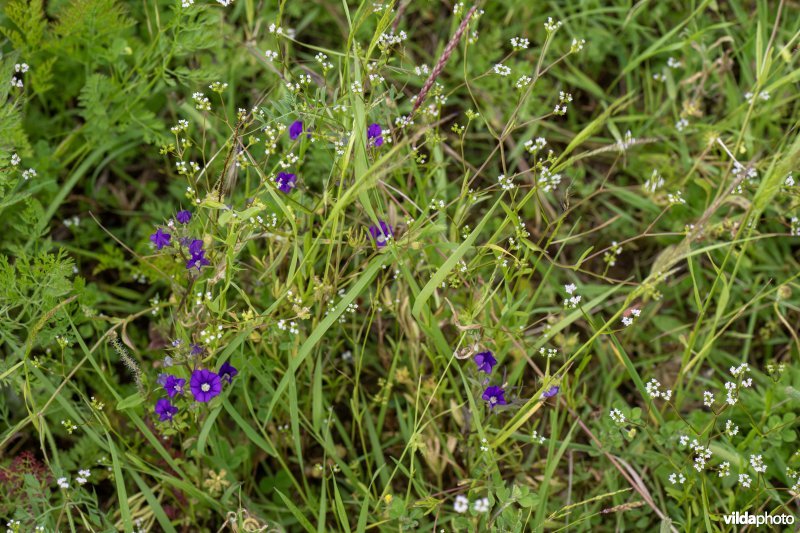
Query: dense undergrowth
(391, 266)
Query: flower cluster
(204, 385)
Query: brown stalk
(442, 60)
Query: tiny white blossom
(481, 505)
(501, 69)
(617, 416)
(461, 504)
(708, 398)
(745, 480)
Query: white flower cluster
(83, 476)
(724, 469)
(501, 69)
(731, 388)
(654, 182)
(626, 142)
(673, 63)
(536, 438)
(390, 38)
(549, 352)
(617, 416)
(506, 182)
(19, 68)
(547, 181)
(180, 127)
(322, 59)
(534, 146)
(201, 102)
(15, 160)
(561, 106)
(628, 320)
(678, 478)
(731, 429)
(745, 480)
(675, 198)
(577, 45)
(28, 174)
(653, 388)
(750, 97)
(702, 455)
(708, 398)
(292, 327)
(403, 121)
(681, 124)
(574, 299)
(523, 81)
(552, 25)
(520, 43)
(758, 464)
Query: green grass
(664, 194)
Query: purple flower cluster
(204, 385)
(374, 135)
(198, 259)
(493, 395)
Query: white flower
(523, 82)
(673, 63)
(724, 469)
(187, 3)
(577, 45)
(617, 416)
(28, 174)
(536, 438)
(501, 69)
(676, 198)
(758, 464)
(552, 25)
(627, 321)
(708, 398)
(681, 124)
(390, 38)
(506, 183)
(652, 387)
(520, 43)
(731, 429)
(654, 183)
(481, 505)
(678, 478)
(570, 288)
(535, 145)
(745, 480)
(15, 159)
(21, 67)
(684, 440)
(461, 504)
(62, 483)
(484, 445)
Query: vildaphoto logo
(742, 519)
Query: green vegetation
(305, 266)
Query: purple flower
(381, 234)
(197, 261)
(374, 135)
(552, 391)
(162, 379)
(495, 396)
(174, 385)
(295, 129)
(160, 238)
(205, 385)
(165, 410)
(227, 371)
(197, 349)
(285, 182)
(485, 361)
(196, 247)
(184, 216)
